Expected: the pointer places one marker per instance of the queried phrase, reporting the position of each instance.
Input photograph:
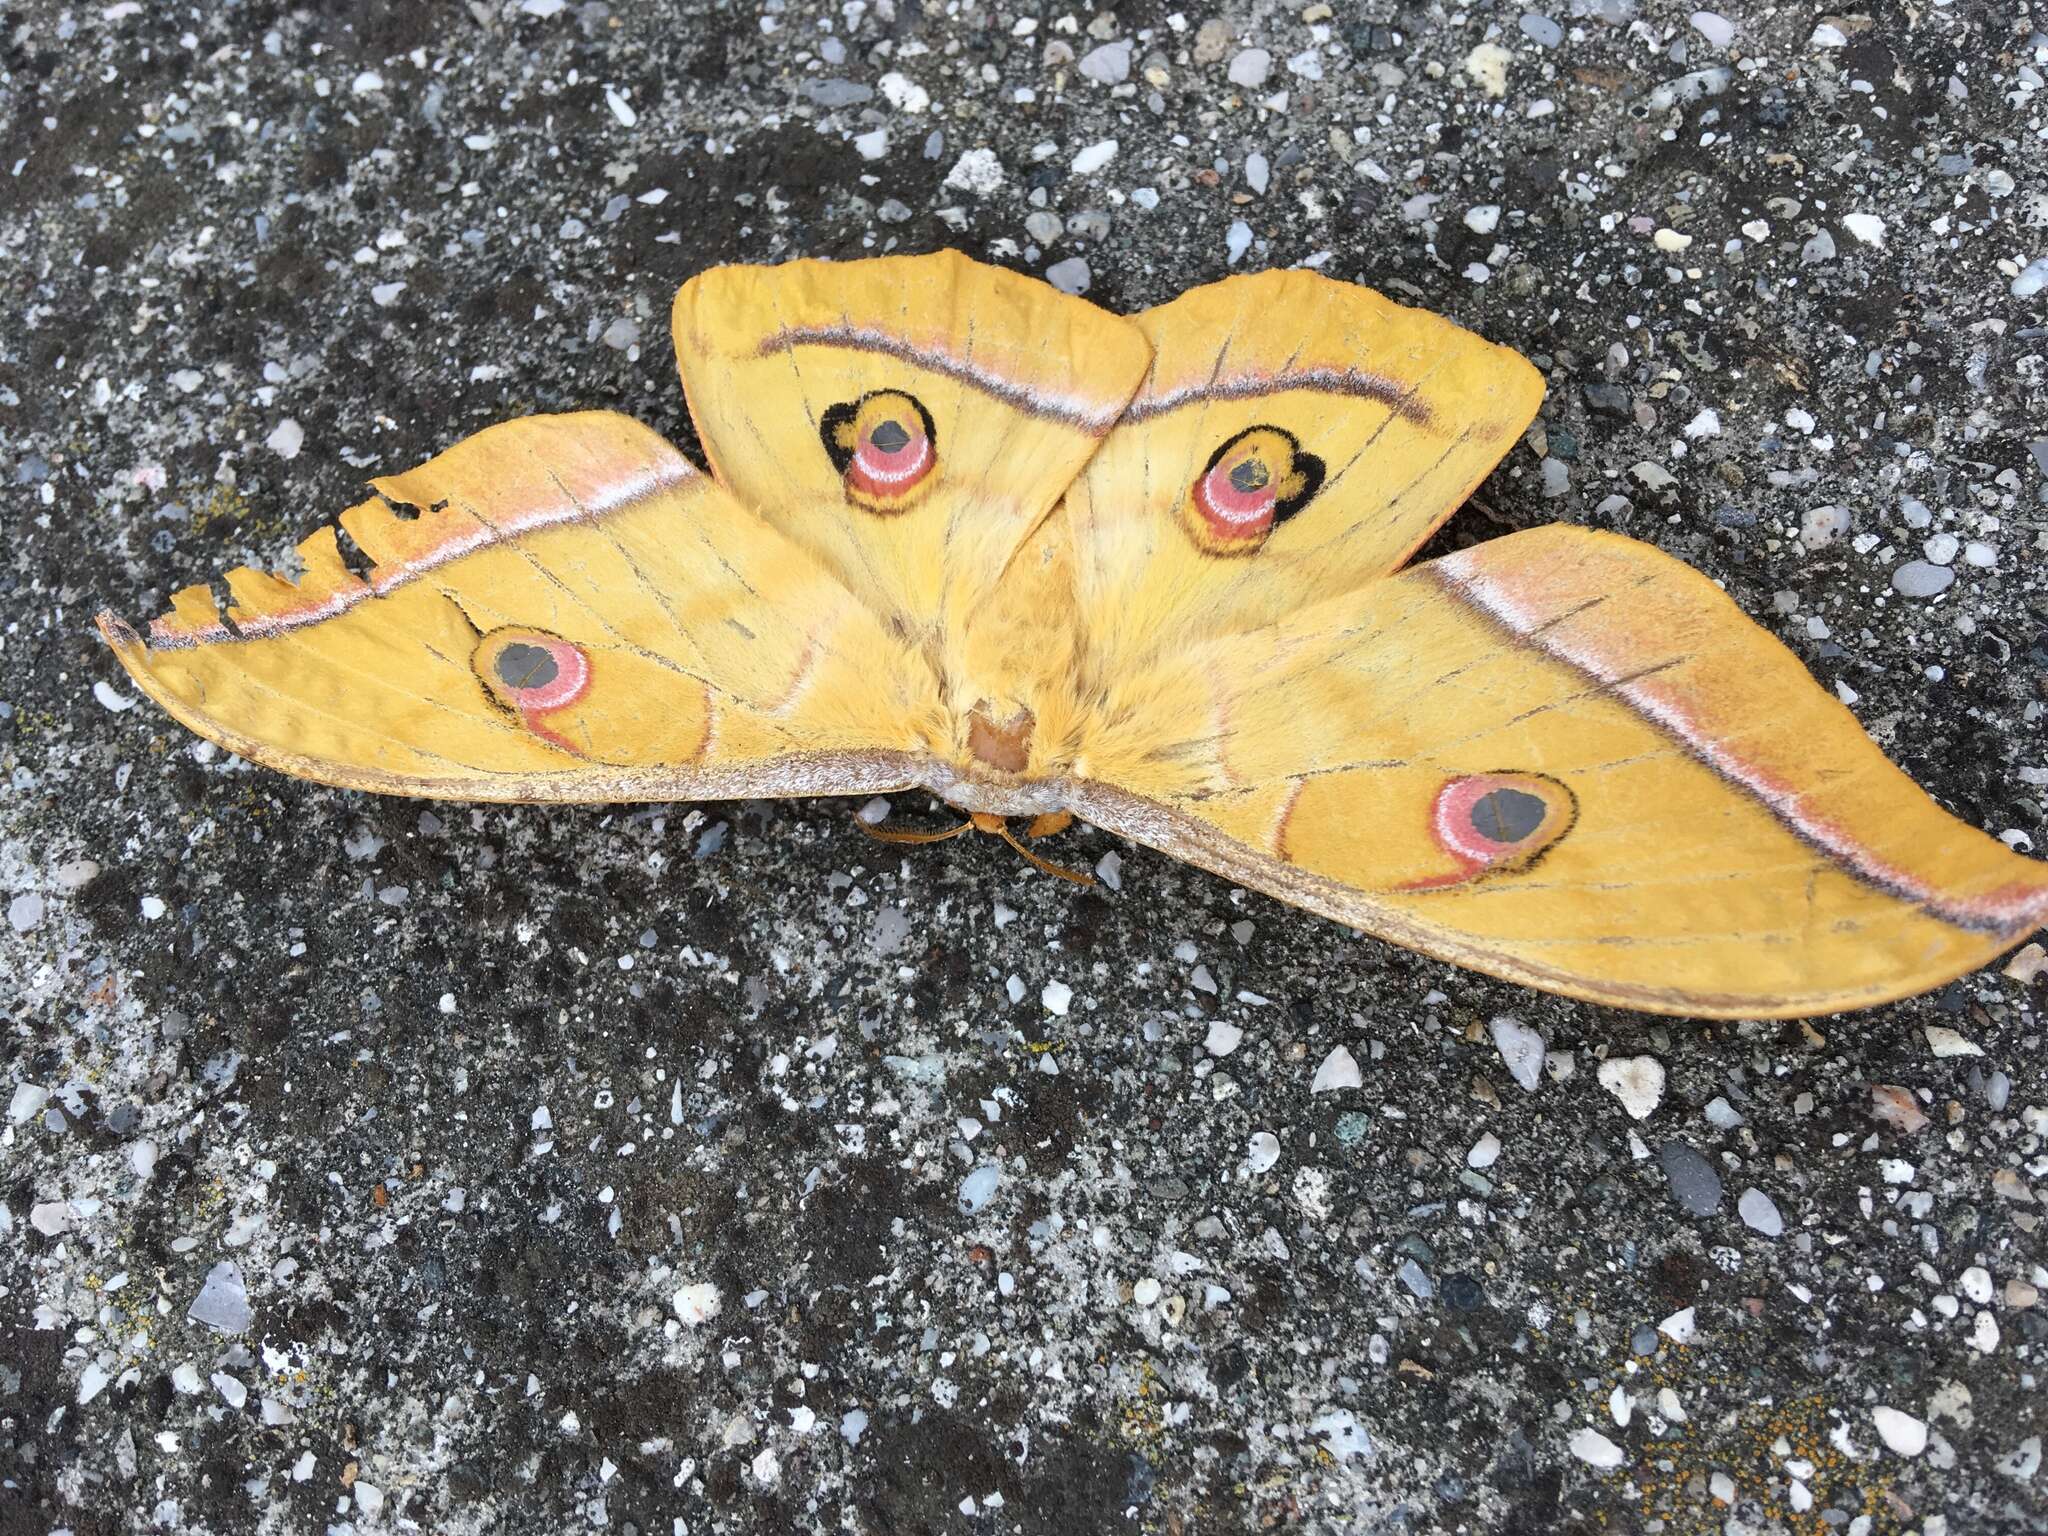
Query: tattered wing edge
(1195, 842)
(797, 774)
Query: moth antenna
(902, 835)
(1078, 876)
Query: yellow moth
(963, 533)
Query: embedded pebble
(1338, 1072)
(1718, 30)
(24, 911)
(698, 1304)
(1250, 68)
(1223, 1038)
(223, 1300)
(1521, 1049)
(978, 1188)
(1487, 67)
(1759, 1212)
(286, 438)
(1901, 1432)
(1094, 158)
(1070, 276)
(1108, 65)
(1922, 578)
(1485, 1152)
(1595, 1449)
(1694, 1183)
(1637, 1081)
(977, 171)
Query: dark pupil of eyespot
(526, 666)
(889, 436)
(1251, 475)
(1507, 815)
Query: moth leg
(1078, 876)
(904, 835)
(1050, 824)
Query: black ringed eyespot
(883, 446)
(1251, 484)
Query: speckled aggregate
(382, 1166)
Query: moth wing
(556, 608)
(1565, 759)
(909, 421)
(1293, 438)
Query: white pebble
(978, 1188)
(1483, 219)
(1719, 31)
(25, 911)
(1237, 240)
(977, 171)
(1485, 1152)
(1262, 1152)
(1521, 1048)
(1759, 1213)
(1637, 1081)
(1250, 68)
(1070, 276)
(1680, 1327)
(286, 439)
(1223, 1038)
(621, 108)
(1900, 1431)
(1946, 1042)
(1595, 1449)
(1057, 997)
(1094, 157)
(1866, 227)
(1487, 66)
(1338, 1071)
(698, 1304)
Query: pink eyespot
(1252, 483)
(890, 459)
(883, 446)
(1495, 821)
(537, 673)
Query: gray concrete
(365, 1155)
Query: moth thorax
(1000, 742)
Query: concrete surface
(374, 1165)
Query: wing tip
(117, 632)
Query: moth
(966, 534)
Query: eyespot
(883, 446)
(1492, 821)
(530, 671)
(1253, 483)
